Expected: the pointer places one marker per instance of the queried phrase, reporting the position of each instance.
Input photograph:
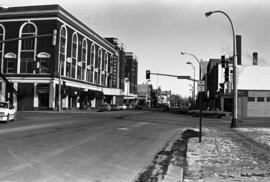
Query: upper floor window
(84, 58)
(251, 99)
(93, 53)
(84, 50)
(74, 53)
(90, 72)
(28, 44)
(74, 47)
(260, 99)
(99, 58)
(2, 37)
(27, 48)
(62, 53)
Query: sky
(158, 30)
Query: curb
(168, 165)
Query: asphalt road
(98, 147)
(88, 147)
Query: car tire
(7, 119)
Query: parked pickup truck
(7, 112)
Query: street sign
(201, 86)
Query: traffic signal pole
(176, 76)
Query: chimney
(255, 58)
(239, 49)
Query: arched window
(74, 53)
(84, 58)
(63, 51)
(98, 67)
(2, 37)
(27, 49)
(104, 69)
(91, 66)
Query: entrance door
(25, 96)
(43, 100)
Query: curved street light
(199, 94)
(234, 119)
(183, 53)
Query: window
(98, 66)
(84, 58)
(79, 71)
(104, 70)
(74, 52)
(11, 65)
(260, 99)
(44, 66)
(268, 99)
(2, 37)
(29, 43)
(27, 48)
(62, 53)
(92, 63)
(251, 99)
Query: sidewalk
(225, 154)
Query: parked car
(130, 107)
(104, 107)
(115, 107)
(7, 112)
(123, 107)
(184, 107)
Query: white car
(7, 112)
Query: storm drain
(173, 153)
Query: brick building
(73, 69)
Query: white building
(253, 91)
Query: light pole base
(233, 123)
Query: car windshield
(3, 105)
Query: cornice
(51, 11)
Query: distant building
(253, 91)
(144, 93)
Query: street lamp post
(199, 94)
(234, 118)
(193, 82)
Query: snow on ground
(259, 135)
(224, 156)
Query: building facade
(56, 61)
(131, 71)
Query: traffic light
(227, 74)
(148, 74)
(54, 37)
(223, 61)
